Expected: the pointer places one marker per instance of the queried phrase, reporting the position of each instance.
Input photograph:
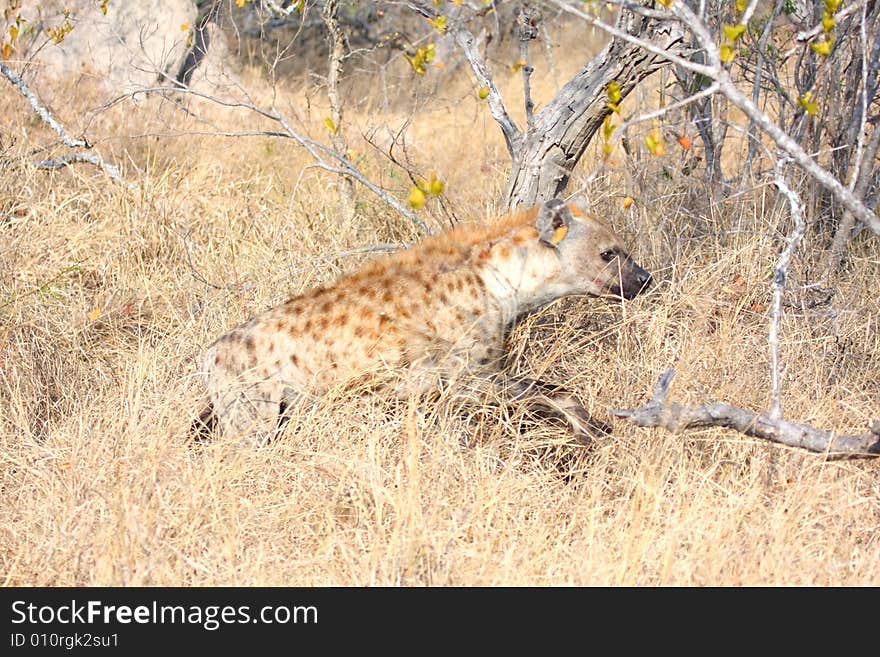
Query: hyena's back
(412, 312)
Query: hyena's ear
(580, 202)
(553, 221)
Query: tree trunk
(201, 39)
(549, 151)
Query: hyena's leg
(253, 412)
(291, 401)
(553, 401)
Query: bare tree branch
(778, 286)
(783, 140)
(649, 46)
(565, 125)
(41, 109)
(468, 45)
(111, 170)
(676, 418)
(344, 166)
(716, 71)
(337, 138)
(684, 102)
(201, 40)
(844, 229)
(850, 9)
(526, 19)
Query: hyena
(435, 311)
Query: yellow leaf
(94, 314)
(627, 202)
(240, 3)
(416, 62)
(435, 185)
(608, 128)
(741, 5)
(726, 53)
(184, 27)
(828, 23)
(821, 47)
(483, 93)
(806, 102)
(665, 3)
(607, 147)
(439, 24)
(416, 198)
(654, 142)
(517, 66)
(423, 56)
(613, 90)
(329, 123)
(734, 32)
(614, 96)
(300, 6)
(13, 32)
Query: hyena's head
(592, 259)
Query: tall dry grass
(108, 297)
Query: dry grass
(100, 486)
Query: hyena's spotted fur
(440, 309)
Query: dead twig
(468, 44)
(337, 137)
(527, 19)
(778, 284)
(674, 417)
(40, 109)
(111, 170)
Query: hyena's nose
(637, 282)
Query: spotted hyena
(435, 311)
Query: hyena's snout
(633, 279)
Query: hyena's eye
(608, 256)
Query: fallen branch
(676, 418)
(111, 170)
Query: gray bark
(547, 152)
(208, 12)
(676, 418)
